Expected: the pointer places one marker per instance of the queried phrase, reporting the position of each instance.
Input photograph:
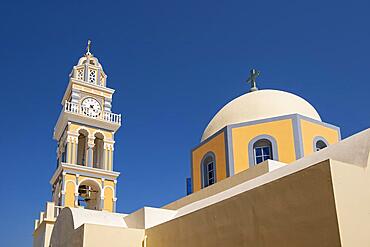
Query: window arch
(261, 148)
(319, 143)
(208, 169)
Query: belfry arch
(98, 159)
(82, 147)
(89, 195)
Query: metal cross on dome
(252, 79)
(88, 47)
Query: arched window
(98, 151)
(208, 170)
(262, 148)
(81, 148)
(319, 143)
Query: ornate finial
(88, 48)
(252, 79)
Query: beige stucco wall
(63, 230)
(225, 184)
(352, 199)
(41, 237)
(73, 228)
(296, 210)
(98, 236)
(325, 204)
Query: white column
(105, 166)
(102, 194)
(90, 151)
(72, 139)
(108, 154)
(115, 197)
(111, 158)
(66, 150)
(76, 152)
(76, 191)
(90, 155)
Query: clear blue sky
(173, 65)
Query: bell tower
(85, 130)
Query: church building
(267, 172)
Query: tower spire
(88, 48)
(252, 79)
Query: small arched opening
(261, 148)
(208, 170)
(82, 147)
(98, 161)
(319, 143)
(89, 194)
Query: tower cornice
(95, 89)
(83, 170)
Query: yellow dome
(259, 105)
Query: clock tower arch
(85, 130)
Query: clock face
(91, 107)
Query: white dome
(258, 105)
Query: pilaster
(102, 194)
(76, 190)
(72, 140)
(107, 104)
(114, 196)
(76, 96)
(90, 151)
(108, 154)
(63, 192)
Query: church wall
(223, 185)
(280, 130)
(98, 236)
(70, 194)
(39, 236)
(108, 195)
(310, 130)
(352, 200)
(285, 212)
(70, 188)
(216, 145)
(108, 199)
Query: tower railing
(92, 113)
